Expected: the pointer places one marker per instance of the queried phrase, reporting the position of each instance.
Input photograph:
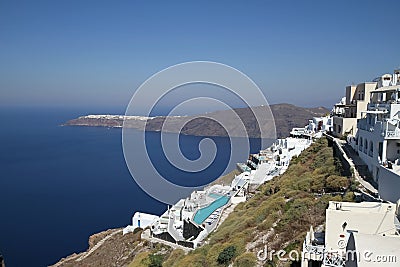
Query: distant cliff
(286, 117)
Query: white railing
(380, 127)
(392, 134)
(397, 224)
(316, 250)
(334, 260)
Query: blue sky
(96, 53)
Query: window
(377, 174)
(365, 146)
(371, 149)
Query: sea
(61, 184)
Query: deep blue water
(59, 185)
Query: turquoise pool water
(213, 195)
(203, 213)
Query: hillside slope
(277, 216)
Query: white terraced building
(357, 227)
(271, 162)
(378, 136)
(190, 220)
(315, 128)
(348, 110)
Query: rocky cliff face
(286, 117)
(107, 248)
(2, 263)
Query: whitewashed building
(346, 221)
(140, 220)
(378, 137)
(314, 129)
(348, 110)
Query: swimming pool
(203, 213)
(213, 195)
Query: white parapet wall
(389, 184)
(237, 200)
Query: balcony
(391, 131)
(379, 106)
(392, 134)
(385, 129)
(362, 124)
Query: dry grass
(285, 208)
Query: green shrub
(226, 255)
(348, 197)
(155, 260)
(317, 183)
(337, 183)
